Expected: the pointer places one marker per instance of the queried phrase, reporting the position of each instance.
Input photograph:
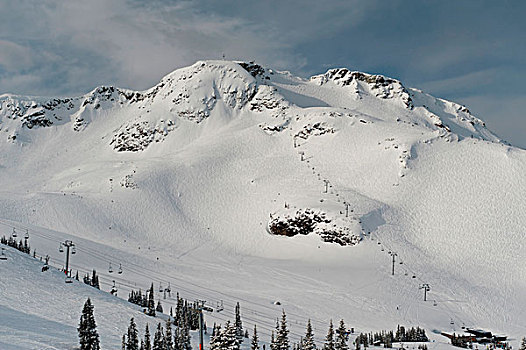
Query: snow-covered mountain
(199, 180)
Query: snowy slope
(181, 182)
(39, 311)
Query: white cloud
(75, 45)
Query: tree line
(175, 334)
(22, 246)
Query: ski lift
(60, 249)
(27, 234)
(414, 276)
(73, 250)
(405, 274)
(2, 256)
(168, 289)
(401, 263)
(120, 269)
(383, 249)
(160, 287)
(219, 306)
(435, 303)
(110, 269)
(69, 279)
(452, 323)
(113, 290)
(14, 233)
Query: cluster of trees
(231, 336)
(145, 300)
(164, 338)
(387, 338)
(175, 335)
(91, 281)
(23, 246)
(186, 314)
(411, 335)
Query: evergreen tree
(133, 336)
(168, 339)
(215, 340)
(523, 344)
(151, 302)
(184, 335)
(308, 341)
(273, 344)
(282, 337)
(95, 280)
(147, 340)
(123, 344)
(341, 337)
(178, 311)
(158, 339)
(329, 339)
(159, 307)
(254, 344)
(238, 323)
(88, 336)
(229, 339)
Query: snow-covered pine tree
(183, 335)
(151, 302)
(159, 307)
(523, 344)
(168, 339)
(329, 339)
(88, 336)
(254, 344)
(273, 344)
(215, 340)
(229, 338)
(282, 337)
(178, 311)
(133, 336)
(308, 341)
(158, 343)
(95, 280)
(341, 337)
(147, 340)
(238, 324)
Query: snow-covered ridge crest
(378, 85)
(226, 89)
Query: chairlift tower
(67, 244)
(326, 186)
(200, 305)
(394, 255)
(426, 289)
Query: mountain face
(226, 161)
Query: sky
(471, 52)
